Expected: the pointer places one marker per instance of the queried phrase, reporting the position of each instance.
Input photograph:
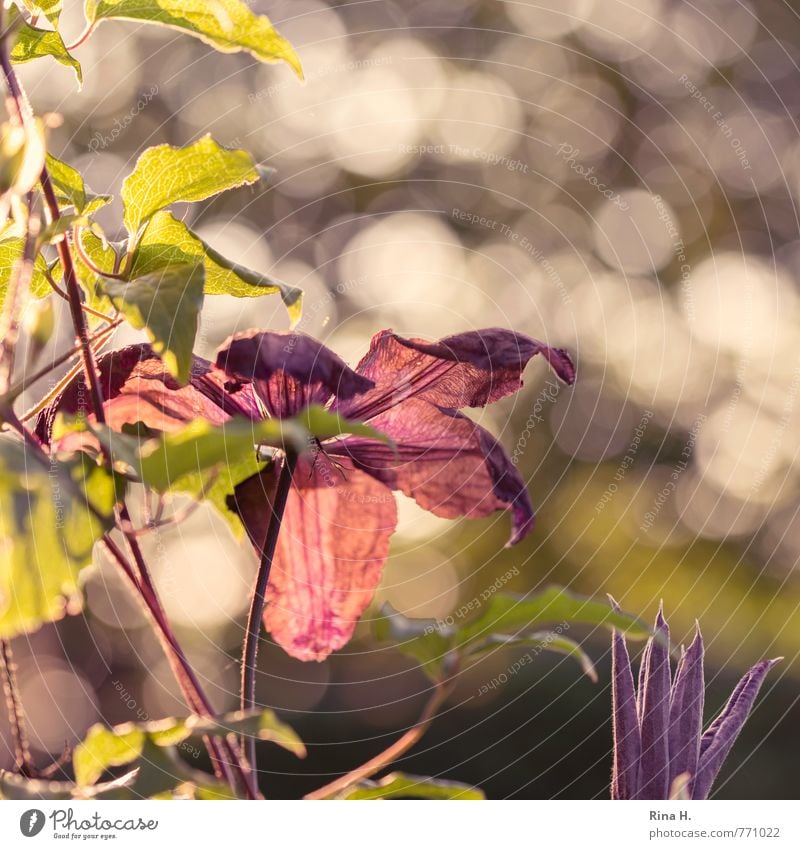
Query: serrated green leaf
(512, 615)
(50, 517)
(70, 188)
(33, 43)
(227, 25)
(165, 175)
(51, 9)
(399, 785)
(541, 641)
(167, 241)
(167, 305)
(11, 251)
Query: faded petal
(654, 716)
(467, 370)
(447, 463)
(290, 371)
(686, 711)
(137, 388)
(720, 736)
(627, 738)
(333, 542)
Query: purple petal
(720, 736)
(654, 699)
(137, 389)
(627, 739)
(332, 545)
(686, 711)
(444, 461)
(467, 370)
(290, 371)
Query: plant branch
(393, 752)
(259, 597)
(22, 750)
(24, 114)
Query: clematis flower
(341, 510)
(658, 739)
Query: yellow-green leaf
(10, 253)
(165, 175)
(70, 188)
(51, 514)
(167, 241)
(33, 43)
(399, 785)
(51, 9)
(167, 305)
(105, 747)
(227, 25)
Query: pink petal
(467, 370)
(332, 545)
(447, 463)
(289, 370)
(136, 388)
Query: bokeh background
(617, 178)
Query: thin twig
(87, 260)
(20, 386)
(88, 30)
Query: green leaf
(506, 620)
(32, 43)
(164, 175)
(423, 640)
(399, 785)
(55, 230)
(70, 188)
(227, 25)
(165, 462)
(541, 641)
(154, 743)
(263, 725)
(517, 615)
(11, 251)
(51, 514)
(167, 305)
(167, 241)
(51, 9)
(324, 424)
(103, 748)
